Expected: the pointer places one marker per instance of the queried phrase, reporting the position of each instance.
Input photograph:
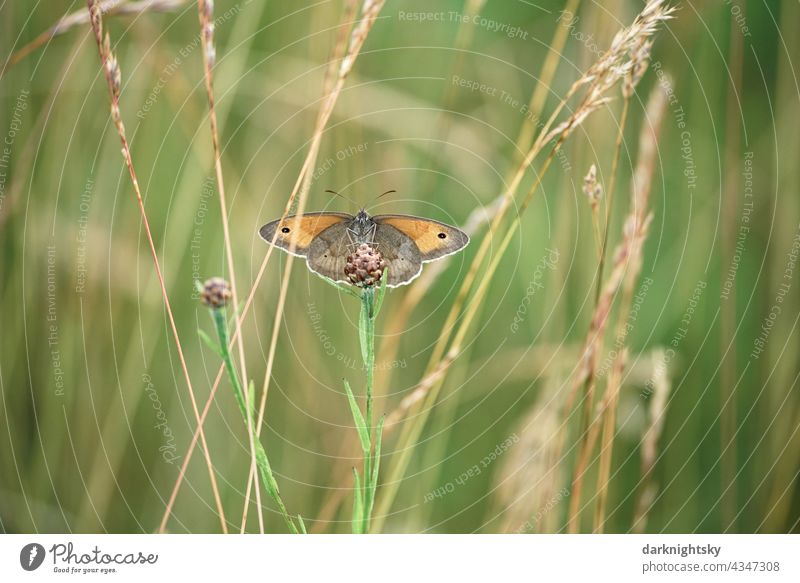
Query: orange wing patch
(429, 235)
(307, 228)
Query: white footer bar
(401, 558)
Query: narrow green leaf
(341, 288)
(302, 524)
(373, 478)
(266, 473)
(358, 507)
(381, 293)
(361, 425)
(377, 459)
(210, 343)
(251, 395)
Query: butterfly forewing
(432, 238)
(305, 229)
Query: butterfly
(326, 239)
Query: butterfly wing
(327, 254)
(305, 228)
(402, 256)
(405, 242)
(433, 239)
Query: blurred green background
(95, 413)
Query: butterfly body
(326, 239)
(362, 228)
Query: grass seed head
(591, 186)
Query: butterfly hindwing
(327, 254)
(402, 255)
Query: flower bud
(216, 293)
(365, 266)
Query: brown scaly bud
(365, 266)
(591, 186)
(216, 293)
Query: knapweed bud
(365, 266)
(216, 293)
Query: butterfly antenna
(350, 200)
(384, 194)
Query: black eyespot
(285, 230)
(442, 235)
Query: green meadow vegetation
(614, 351)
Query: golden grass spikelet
(640, 60)
(369, 12)
(591, 186)
(626, 58)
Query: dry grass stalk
(594, 192)
(630, 247)
(370, 10)
(609, 428)
(81, 17)
(113, 76)
(539, 96)
(628, 263)
(601, 77)
(639, 54)
(656, 413)
(205, 9)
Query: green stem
(367, 339)
(367, 299)
(267, 477)
(367, 484)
